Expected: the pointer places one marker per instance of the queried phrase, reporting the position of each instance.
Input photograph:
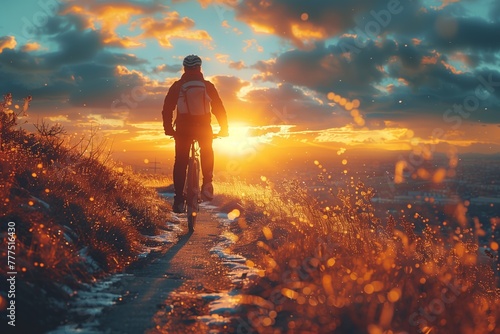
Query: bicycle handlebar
(214, 136)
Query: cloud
(288, 104)
(95, 82)
(388, 76)
(449, 28)
(304, 22)
(7, 42)
(222, 58)
(237, 65)
(349, 135)
(74, 47)
(459, 33)
(283, 105)
(415, 67)
(113, 58)
(228, 86)
(115, 88)
(31, 46)
(252, 44)
(324, 69)
(494, 11)
(107, 17)
(226, 25)
(217, 3)
(81, 70)
(14, 60)
(165, 68)
(171, 26)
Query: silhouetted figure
(195, 99)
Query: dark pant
(182, 146)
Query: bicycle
(192, 192)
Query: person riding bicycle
(195, 99)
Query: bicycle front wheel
(193, 192)
(191, 220)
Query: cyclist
(195, 99)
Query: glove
(223, 132)
(169, 131)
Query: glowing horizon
(285, 80)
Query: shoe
(207, 191)
(179, 205)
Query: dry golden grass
(155, 180)
(78, 215)
(335, 267)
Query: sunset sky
(374, 74)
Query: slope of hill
(68, 216)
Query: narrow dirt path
(172, 294)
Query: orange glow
(267, 232)
(423, 174)
(388, 138)
(3, 303)
(245, 140)
(451, 68)
(237, 143)
(242, 142)
(398, 174)
(233, 214)
(369, 289)
(327, 284)
(302, 32)
(394, 295)
(261, 28)
(426, 60)
(439, 175)
(28, 47)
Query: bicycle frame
(192, 192)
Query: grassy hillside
(336, 267)
(330, 266)
(77, 216)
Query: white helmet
(191, 61)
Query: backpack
(193, 99)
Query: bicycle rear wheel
(192, 192)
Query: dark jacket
(184, 122)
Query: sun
(239, 142)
